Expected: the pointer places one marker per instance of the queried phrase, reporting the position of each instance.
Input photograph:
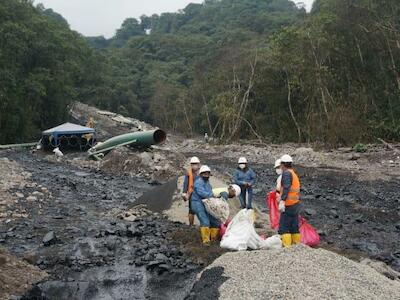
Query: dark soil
(189, 238)
(208, 284)
(90, 254)
(87, 251)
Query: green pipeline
(139, 139)
(12, 146)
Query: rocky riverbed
(74, 219)
(77, 232)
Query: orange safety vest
(190, 182)
(294, 192)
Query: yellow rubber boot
(296, 238)
(286, 240)
(205, 235)
(214, 234)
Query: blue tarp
(68, 128)
(70, 131)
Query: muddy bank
(16, 276)
(355, 218)
(75, 236)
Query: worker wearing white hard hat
(286, 159)
(188, 183)
(245, 177)
(289, 204)
(195, 161)
(209, 226)
(231, 191)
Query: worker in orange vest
(289, 204)
(188, 183)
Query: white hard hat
(194, 160)
(237, 189)
(242, 160)
(204, 169)
(286, 159)
(277, 163)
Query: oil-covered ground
(355, 218)
(75, 236)
(72, 231)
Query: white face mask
(278, 171)
(242, 166)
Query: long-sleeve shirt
(201, 190)
(245, 176)
(286, 184)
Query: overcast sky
(103, 17)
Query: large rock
(49, 238)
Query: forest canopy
(236, 69)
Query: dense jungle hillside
(262, 69)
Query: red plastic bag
(223, 227)
(274, 214)
(309, 236)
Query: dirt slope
(16, 276)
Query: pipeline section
(141, 139)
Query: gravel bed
(295, 273)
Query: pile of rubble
(154, 165)
(14, 179)
(16, 276)
(107, 124)
(295, 273)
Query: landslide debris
(157, 165)
(107, 124)
(296, 273)
(14, 180)
(378, 162)
(16, 276)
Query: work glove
(282, 206)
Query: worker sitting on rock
(209, 226)
(245, 178)
(231, 191)
(188, 183)
(289, 204)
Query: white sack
(273, 242)
(240, 233)
(218, 208)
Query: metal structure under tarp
(69, 135)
